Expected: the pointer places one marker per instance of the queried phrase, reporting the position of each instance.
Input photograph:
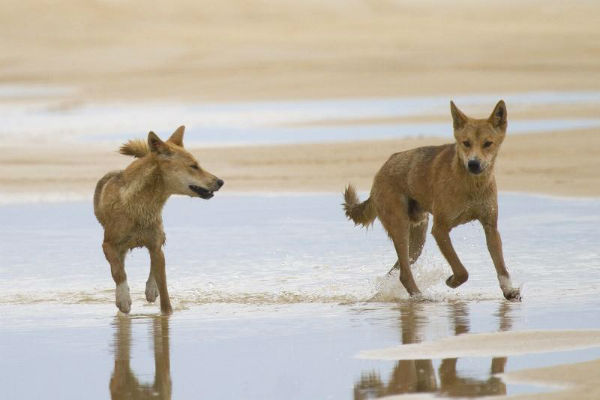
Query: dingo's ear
(177, 136)
(458, 118)
(498, 118)
(156, 145)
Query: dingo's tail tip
(135, 148)
(360, 213)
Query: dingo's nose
(474, 166)
(220, 183)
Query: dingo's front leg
(157, 264)
(116, 258)
(494, 244)
(459, 272)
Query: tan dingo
(453, 182)
(129, 205)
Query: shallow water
(272, 300)
(265, 122)
(265, 249)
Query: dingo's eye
(487, 144)
(195, 166)
(467, 144)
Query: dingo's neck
(144, 192)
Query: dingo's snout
(216, 184)
(207, 193)
(474, 166)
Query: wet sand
(491, 344)
(579, 380)
(560, 163)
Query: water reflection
(124, 383)
(419, 376)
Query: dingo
(129, 205)
(453, 182)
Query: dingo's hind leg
(151, 288)
(397, 225)
(418, 234)
(157, 264)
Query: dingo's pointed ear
(156, 145)
(498, 118)
(458, 118)
(177, 136)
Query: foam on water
(383, 288)
(253, 249)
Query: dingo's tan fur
(129, 205)
(454, 182)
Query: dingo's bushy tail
(135, 147)
(361, 213)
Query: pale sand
(562, 163)
(490, 344)
(207, 50)
(578, 381)
(235, 49)
(572, 381)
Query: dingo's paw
(455, 281)
(151, 290)
(513, 294)
(122, 298)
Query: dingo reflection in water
(123, 383)
(418, 376)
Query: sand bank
(561, 163)
(490, 344)
(580, 380)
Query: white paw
(151, 290)
(123, 300)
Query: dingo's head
(478, 140)
(181, 172)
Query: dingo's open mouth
(204, 193)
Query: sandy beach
(561, 163)
(207, 50)
(106, 51)
(276, 295)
